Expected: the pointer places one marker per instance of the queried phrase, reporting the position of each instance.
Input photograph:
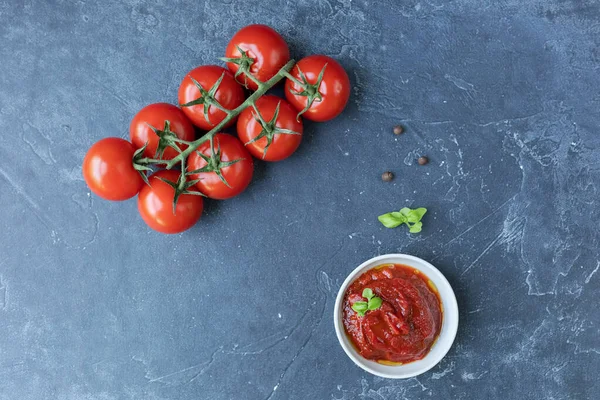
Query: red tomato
(108, 169)
(238, 175)
(155, 204)
(278, 135)
(229, 95)
(334, 87)
(155, 116)
(266, 49)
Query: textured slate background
(503, 96)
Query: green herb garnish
(407, 216)
(373, 303)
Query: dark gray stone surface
(503, 96)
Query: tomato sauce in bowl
(408, 322)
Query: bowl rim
(449, 306)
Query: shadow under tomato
(261, 169)
(210, 216)
(357, 78)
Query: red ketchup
(408, 322)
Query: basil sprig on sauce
(373, 303)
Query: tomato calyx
(309, 90)
(166, 138)
(181, 187)
(214, 163)
(207, 98)
(244, 62)
(269, 129)
(262, 89)
(141, 167)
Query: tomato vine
(163, 151)
(170, 140)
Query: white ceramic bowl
(439, 348)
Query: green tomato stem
(291, 78)
(253, 78)
(181, 141)
(147, 160)
(231, 114)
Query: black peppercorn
(387, 176)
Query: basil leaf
(405, 211)
(410, 217)
(374, 303)
(416, 227)
(367, 293)
(413, 215)
(390, 220)
(360, 307)
(399, 216)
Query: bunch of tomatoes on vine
(171, 170)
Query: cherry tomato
(221, 167)
(155, 204)
(334, 87)
(154, 117)
(265, 49)
(277, 140)
(108, 169)
(229, 95)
